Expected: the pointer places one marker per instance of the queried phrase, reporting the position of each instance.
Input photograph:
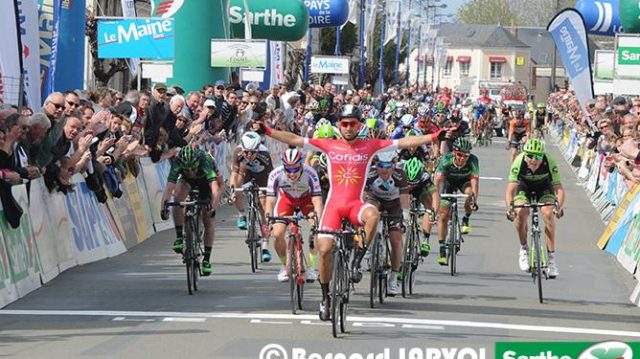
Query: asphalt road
(136, 304)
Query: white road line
(184, 320)
(417, 326)
(309, 322)
(392, 320)
(373, 325)
(260, 321)
(492, 178)
(123, 319)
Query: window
(447, 68)
(464, 68)
(496, 70)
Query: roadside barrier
(618, 206)
(58, 232)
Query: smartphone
(94, 140)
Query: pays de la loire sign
(270, 20)
(143, 38)
(327, 13)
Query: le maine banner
(141, 38)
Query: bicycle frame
(254, 218)
(454, 238)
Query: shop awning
(464, 58)
(497, 59)
(449, 58)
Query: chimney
(513, 29)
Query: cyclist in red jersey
(349, 160)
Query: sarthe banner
(570, 35)
(9, 55)
(28, 10)
(69, 73)
(49, 23)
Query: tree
(103, 69)
(348, 39)
(521, 13)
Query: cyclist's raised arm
(416, 141)
(282, 136)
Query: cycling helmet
(406, 120)
(387, 156)
(413, 168)
(541, 106)
(534, 146)
(423, 110)
(250, 141)
(350, 111)
(189, 157)
(322, 121)
(375, 128)
(291, 157)
(462, 144)
(412, 132)
(440, 108)
(324, 131)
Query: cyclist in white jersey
(296, 186)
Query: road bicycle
(454, 238)
(255, 227)
(296, 259)
(537, 248)
(343, 248)
(411, 250)
(380, 262)
(194, 233)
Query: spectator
(27, 111)
(39, 125)
(192, 104)
(12, 164)
(87, 114)
(208, 91)
(54, 107)
(72, 103)
(158, 111)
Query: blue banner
(143, 38)
(602, 17)
(69, 74)
(49, 23)
(327, 13)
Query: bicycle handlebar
(290, 218)
(454, 195)
(187, 203)
(257, 189)
(535, 205)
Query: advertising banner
(327, 13)
(629, 16)
(8, 291)
(603, 70)
(270, 20)
(330, 65)
(155, 179)
(144, 38)
(49, 22)
(20, 243)
(29, 33)
(226, 53)
(69, 73)
(600, 16)
(9, 56)
(43, 230)
(627, 57)
(144, 205)
(276, 62)
(629, 253)
(570, 36)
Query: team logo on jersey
(347, 176)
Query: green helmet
(325, 131)
(371, 122)
(189, 157)
(412, 132)
(413, 168)
(440, 108)
(462, 144)
(534, 147)
(541, 105)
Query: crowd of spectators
(612, 129)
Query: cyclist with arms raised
(348, 159)
(193, 168)
(535, 172)
(457, 171)
(296, 186)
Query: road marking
(184, 320)
(417, 326)
(373, 325)
(124, 319)
(392, 320)
(260, 321)
(308, 322)
(492, 178)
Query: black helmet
(350, 111)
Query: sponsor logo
(269, 17)
(608, 350)
(565, 350)
(340, 157)
(166, 8)
(156, 29)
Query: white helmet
(406, 120)
(322, 121)
(387, 156)
(250, 141)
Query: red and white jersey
(349, 163)
(307, 184)
(485, 100)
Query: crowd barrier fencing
(618, 206)
(57, 231)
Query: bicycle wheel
(373, 268)
(407, 262)
(188, 255)
(452, 243)
(384, 273)
(293, 274)
(538, 262)
(300, 270)
(336, 291)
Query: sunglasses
(603, 127)
(220, 88)
(250, 153)
(162, 91)
(253, 103)
(73, 104)
(57, 105)
(535, 157)
(292, 169)
(384, 165)
(461, 154)
(349, 124)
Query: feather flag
(391, 23)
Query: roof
(479, 36)
(542, 45)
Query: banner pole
(20, 59)
(383, 24)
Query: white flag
(354, 10)
(391, 23)
(370, 18)
(9, 56)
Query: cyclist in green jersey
(534, 175)
(422, 188)
(193, 168)
(457, 171)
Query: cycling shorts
(454, 186)
(393, 209)
(421, 192)
(285, 206)
(201, 184)
(525, 194)
(335, 209)
(517, 139)
(262, 178)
